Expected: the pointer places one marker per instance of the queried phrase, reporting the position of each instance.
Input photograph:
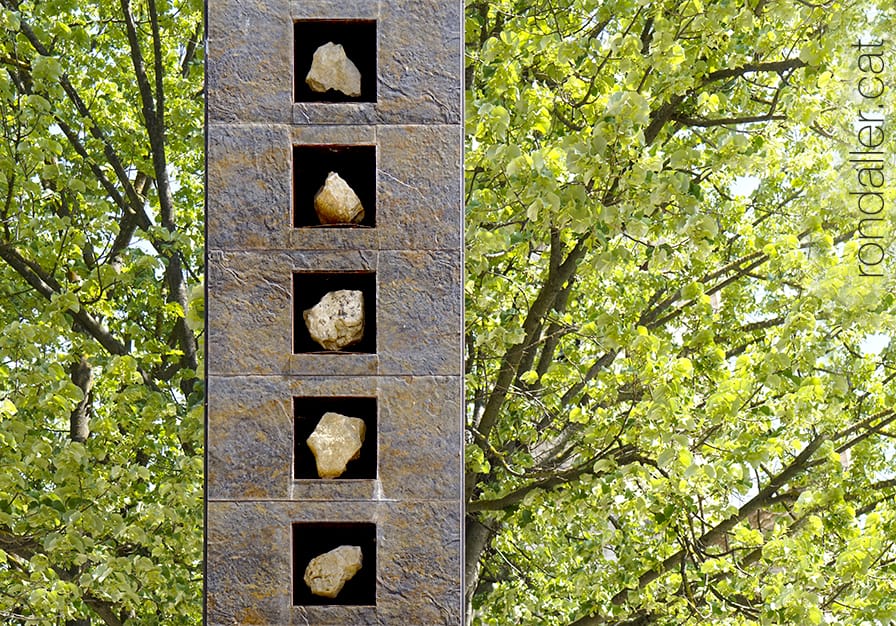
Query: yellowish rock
(327, 574)
(337, 321)
(337, 203)
(332, 69)
(335, 442)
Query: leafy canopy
(100, 279)
(680, 384)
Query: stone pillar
(272, 143)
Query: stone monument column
(335, 312)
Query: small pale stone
(332, 69)
(327, 574)
(337, 203)
(336, 440)
(337, 321)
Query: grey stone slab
(250, 188)
(421, 437)
(249, 438)
(419, 188)
(333, 134)
(420, 61)
(419, 66)
(416, 577)
(251, 313)
(362, 113)
(346, 364)
(420, 308)
(250, 58)
(338, 9)
(418, 313)
(251, 442)
(248, 578)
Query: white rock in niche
(337, 203)
(337, 321)
(332, 69)
(327, 574)
(336, 440)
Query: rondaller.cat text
(868, 159)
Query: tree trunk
(82, 376)
(476, 539)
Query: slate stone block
(419, 61)
(416, 578)
(341, 9)
(417, 188)
(253, 309)
(249, 186)
(249, 66)
(418, 315)
(250, 441)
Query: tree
(100, 274)
(680, 373)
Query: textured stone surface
(248, 191)
(250, 438)
(419, 65)
(341, 9)
(421, 437)
(327, 574)
(419, 312)
(249, 65)
(336, 441)
(337, 321)
(420, 61)
(248, 560)
(250, 448)
(332, 69)
(337, 203)
(418, 186)
(416, 292)
(252, 309)
(417, 578)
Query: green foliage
(680, 389)
(100, 245)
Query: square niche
(308, 290)
(308, 412)
(310, 540)
(356, 165)
(358, 40)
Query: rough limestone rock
(337, 321)
(337, 203)
(332, 69)
(327, 574)
(336, 441)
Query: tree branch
(153, 113)
(725, 121)
(751, 68)
(797, 466)
(26, 548)
(47, 286)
